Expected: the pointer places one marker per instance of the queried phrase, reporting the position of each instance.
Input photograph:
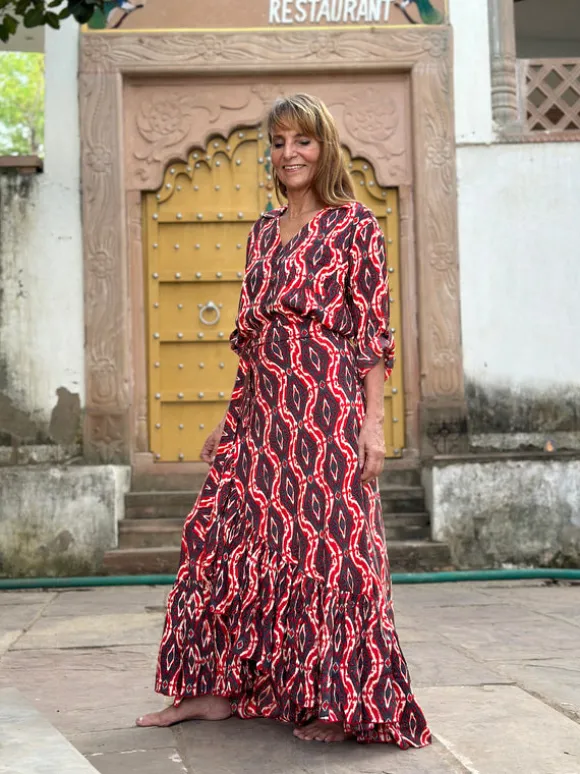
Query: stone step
(150, 533)
(141, 561)
(404, 556)
(32, 745)
(402, 499)
(166, 532)
(398, 473)
(174, 504)
(419, 556)
(173, 477)
(159, 505)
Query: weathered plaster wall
(518, 512)
(520, 285)
(59, 520)
(41, 301)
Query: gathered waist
(283, 331)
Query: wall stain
(16, 189)
(512, 410)
(17, 426)
(65, 420)
(26, 553)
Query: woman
(282, 604)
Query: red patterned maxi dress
(282, 601)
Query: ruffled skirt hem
(282, 645)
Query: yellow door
(196, 228)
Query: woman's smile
(295, 158)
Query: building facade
(115, 356)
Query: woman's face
(295, 158)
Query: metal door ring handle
(209, 307)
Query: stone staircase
(150, 533)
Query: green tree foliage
(37, 13)
(21, 103)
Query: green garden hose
(456, 576)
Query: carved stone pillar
(502, 40)
(107, 334)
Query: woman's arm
(371, 445)
(369, 304)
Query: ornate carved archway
(134, 122)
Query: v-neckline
(305, 227)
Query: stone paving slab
(502, 730)
(87, 661)
(8, 639)
(15, 617)
(122, 740)
(438, 663)
(530, 639)
(31, 745)
(556, 680)
(423, 596)
(409, 631)
(158, 761)
(93, 630)
(569, 615)
(92, 689)
(491, 613)
(543, 598)
(536, 592)
(109, 600)
(27, 597)
(239, 746)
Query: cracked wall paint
(59, 521)
(41, 287)
(520, 418)
(506, 513)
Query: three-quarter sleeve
(235, 336)
(368, 290)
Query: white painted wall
(472, 77)
(25, 39)
(42, 320)
(519, 250)
(518, 233)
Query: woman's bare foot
(321, 731)
(197, 708)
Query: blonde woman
(282, 603)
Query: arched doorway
(196, 227)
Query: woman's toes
(152, 719)
(321, 731)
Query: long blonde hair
(310, 116)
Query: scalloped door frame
(116, 171)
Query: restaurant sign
(143, 15)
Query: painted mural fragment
(113, 14)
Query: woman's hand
(211, 444)
(371, 448)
